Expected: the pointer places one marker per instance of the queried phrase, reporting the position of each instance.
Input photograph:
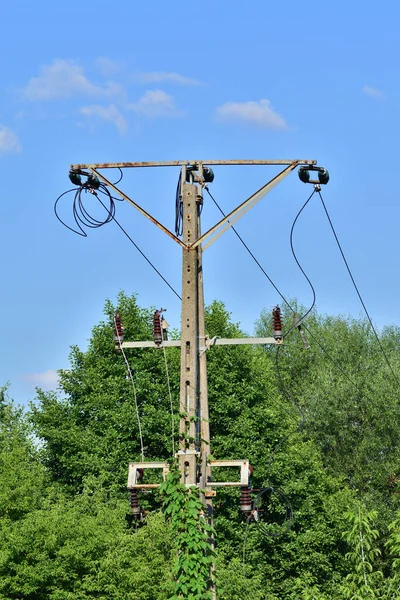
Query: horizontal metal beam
(181, 163)
(246, 340)
(215, 341)
(151, 344)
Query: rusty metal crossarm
(181, 163)
(135, 205)
(217, 230)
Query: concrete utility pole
(194, 442)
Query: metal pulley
(322, 174)
(92, 181)
(208, 173)
(75, 178)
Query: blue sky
(84, 83)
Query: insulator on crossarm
(157, 326)
(134, 506)
(277, 323)
(118, 330)
(246, 504)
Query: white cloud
(47, 380)
(64, 79)
(372, 92)
(258, 113)
(155, 103)
(110, 114)
(106, 66)
(9, 142)
(159, 76)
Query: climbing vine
(191, 534)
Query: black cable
(278, 349)
(84, 219)
(288, 519)
(313, 337)
(270, 488)
(356, 288)
(120, 178)
(144, 256)
(178, 208)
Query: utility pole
(194, 430)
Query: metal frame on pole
(194, 429)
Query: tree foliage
(320, 426)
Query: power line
(356, 288)
(143, 254)
(84, 219)
(171, 403)
(129, 371)
(313, 337)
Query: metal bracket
(133, 473)
(244, 473)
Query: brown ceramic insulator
(134, 503)
(277, 323)
(157, 330)
(118, 328)
(245, 499)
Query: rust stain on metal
(181, 163)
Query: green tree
(22, 477)
(81, 548)
(350, 399)
(90, 430)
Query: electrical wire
(178, 207)
(84, 219)
(129, 371)
(171, 404)
(145, 257)
(284, 387)
(356, 288)
(313, 337)
(288, 518)
(270, 488)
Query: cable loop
(288, 518)
(84, 219)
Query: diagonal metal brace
(138, 208)
(241, 210)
